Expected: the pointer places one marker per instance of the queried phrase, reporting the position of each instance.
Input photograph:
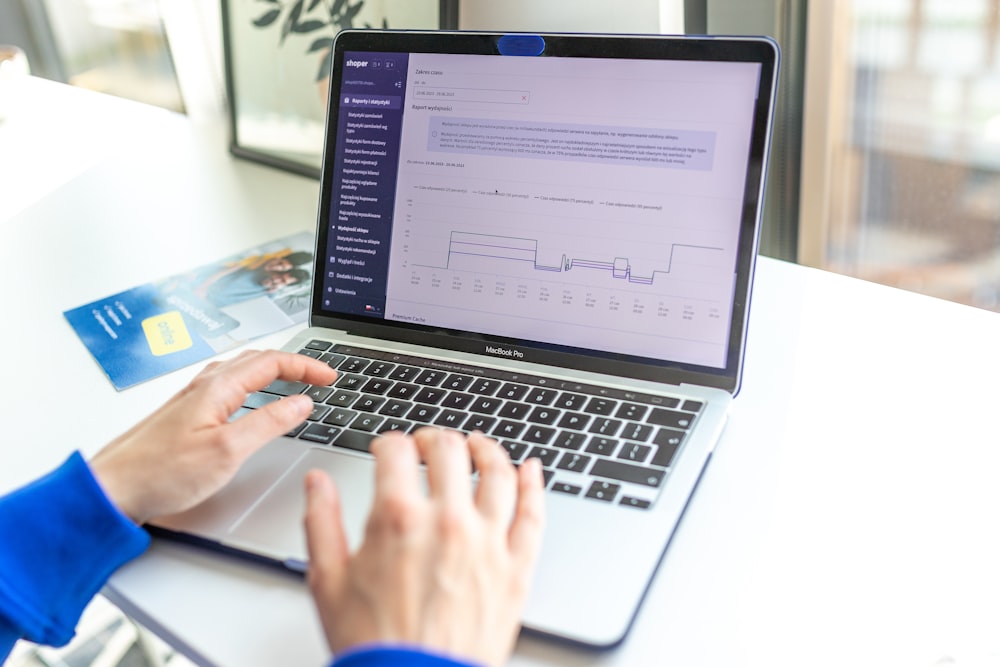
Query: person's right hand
(448, 570)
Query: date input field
(488, 95)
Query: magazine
(152, 329)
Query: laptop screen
(535, 207)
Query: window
(901, 175)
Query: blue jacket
(60, 541)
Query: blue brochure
(155, 328)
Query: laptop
(548, 238)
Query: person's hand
(187, 450)
(448, 571)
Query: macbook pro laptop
(547, 238)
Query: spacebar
(356, 440)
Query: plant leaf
(338, 6)
(308, 26)
(292, 20)
(267, 18)
(320, 44)
(312, 5)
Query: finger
(525, 535)
(497, 490)
(397, 467)
(449, 469)
(326, 540)
(228, 385)
(258, 427)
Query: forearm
(395, 656)
(60, 541)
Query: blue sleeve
(60, 541)
(395, 656)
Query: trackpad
(273, 526)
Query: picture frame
(277, 66)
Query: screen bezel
(759, 50)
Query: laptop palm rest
(273, 525)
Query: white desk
(850, 516)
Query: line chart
(525, 250)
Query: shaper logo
(166, 333)
(355, 63)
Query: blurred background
(886, 163)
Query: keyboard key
(631, 411)
(377, 386)
(541, 396)
(320, 433)
(429, 395)
(353, 365)
(395, 408)
(369, 403)
(633, 431)
(317, 394)
(380, 369)
(563, 487)
(315, 354)
(515, 410)
(568, 401)
(333, 360)
(285, 388)
(570, 439)
(404, 373)
(509, 429)
(664, 455)
(605, 426)
(431, 378)
(340, 417)
(423, 413)
(259, 399)
(626, 472)
(457, 400)
(544, 454)
(540, 435)
(514, 449)
(484, 387)
(342, 398)
(604, 491)
(547, 476)
(402, 390)
(574, 420)
(485, 405)
(366, 422)
(395, 424)
(479, 423)
(671, 418)
(573, 462)
(545, 416)
(318, 412)
(297, 430)
(512, 392)
(601, 445)
(320, 345)
(634, 452)
(669, 436)
(692, 406)
(451, 419)
(355, 440)
(638, 503)
(600, 406)
(457, 382)
(352, 382)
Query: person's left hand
(188, 449)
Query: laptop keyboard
(598, 443)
